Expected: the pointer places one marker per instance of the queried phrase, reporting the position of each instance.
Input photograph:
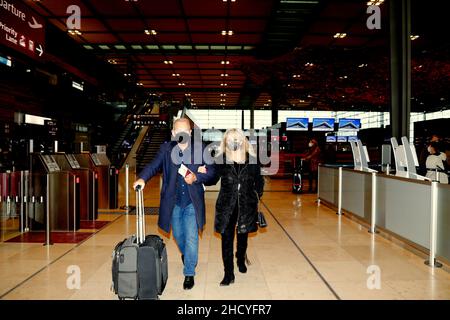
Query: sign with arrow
(21, 28)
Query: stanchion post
(340, 192)
(431, 262)
(21, 198)
(47, 215)
(318, 186)
(373, 204)
(127, 187)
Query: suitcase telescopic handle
(140, 216)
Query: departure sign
(21, 28)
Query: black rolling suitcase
(139, 266)
(297, 183)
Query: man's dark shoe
(188, 283)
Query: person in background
(424, 152)
(182, 206)
(313, 157)
(436, 161)
(241, 188)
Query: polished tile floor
(307, 252)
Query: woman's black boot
(227, 279)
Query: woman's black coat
(238, 190)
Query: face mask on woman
(234, 145)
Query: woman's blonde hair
(239, 134)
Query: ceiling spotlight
(340, 35)
(225, 62)
(375, 2)
(224, 75)
(223, 94)
(414, 37)
(181, 84)
(168, 62)
(150, 32)
(74, 32)
(187, 94)
(112, 61)
(175, 74)
(309, 64)
(296, 76)
(362, 65)
(227, 32)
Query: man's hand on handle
(139, 182)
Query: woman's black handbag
(262, 223)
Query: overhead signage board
(21, 28)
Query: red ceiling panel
(60, 23)
(316, 40)
(59, 8)
(138, 38)
(207, 25)
(173, 38)
(184, 66)
(174, 25)
(38, 8)
(126, 24)
(205, 38)
(100, 38)
(253, 25)
(114, 7)
(252, 8)
(245, 39)
(89, 24)
(156, 8)
(205, 8)
(344, 10)
(152, 58)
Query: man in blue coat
(182, 204)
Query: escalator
(156, 135)
(123, 142)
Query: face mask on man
(181, 136)
(429, 150)
(234, 145)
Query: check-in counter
(400, 206)
(107, 178)
(88, 185)
(54, 195)
(13, 191)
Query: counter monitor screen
(323, 124)
(296, 124)
(349, 124)
(331, 139)
(341, 139)
(352, 138)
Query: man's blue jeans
(185, 232)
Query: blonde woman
(237, 203)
